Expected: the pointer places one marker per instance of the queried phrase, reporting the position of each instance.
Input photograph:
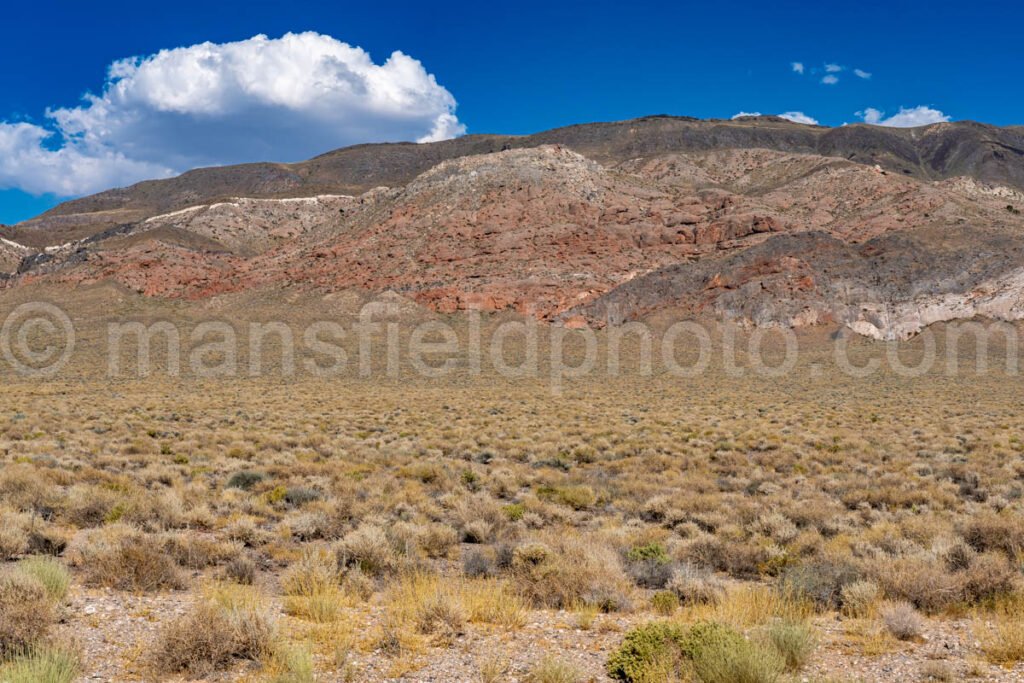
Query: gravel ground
(113, 630)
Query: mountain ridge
(588, 224)
(937, 151)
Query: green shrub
(665, 602)
(642, 648)
(277, 494)
(245, 480)
(653, 552)
(741, 662)
(297, 496)
(514, 511)
(470, 479)
(41, 665)
(793, 640)
(553, 670)
(576, 497)
(50, 573)
(710, 636)
(294, 664)
(649, 565)
(713, 652)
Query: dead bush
(241, 569)
(695, 586)
(436, 539)
(920, 580)
(24, 487)
(124, 558)
(13, 539)
(210, 637)
(738, 558)
(820, 580)
(89, 506)
(903, 621)
(198, 551)
(562, 571)
(989, 575)
(314, 571)
(859, 598)
(368, 549)
(996, 531)
(25, 612)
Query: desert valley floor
(811, 527)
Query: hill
(759, 220)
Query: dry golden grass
(1001, 632)
(745, 606)
(432, 604)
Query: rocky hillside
(761, 220)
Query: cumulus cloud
(745, 114)
(281, 99)
(833, 68)
(798, 67)
(28, 164)
(799, 117)
(861, 73)
(905, 118)
(830, 80)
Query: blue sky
(513, 68)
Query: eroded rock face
(889, 288)
(11, 255)
(254, 225)
(757, 236)
(536, 230)
(999, 298)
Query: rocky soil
(116, 631)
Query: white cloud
(871, 115)
(28, 164)
(795, 116)
(905, 118)
(861, 73)
(281, 99)
(833, 68)
(830, 80)
(799, 117)
(798, 67)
